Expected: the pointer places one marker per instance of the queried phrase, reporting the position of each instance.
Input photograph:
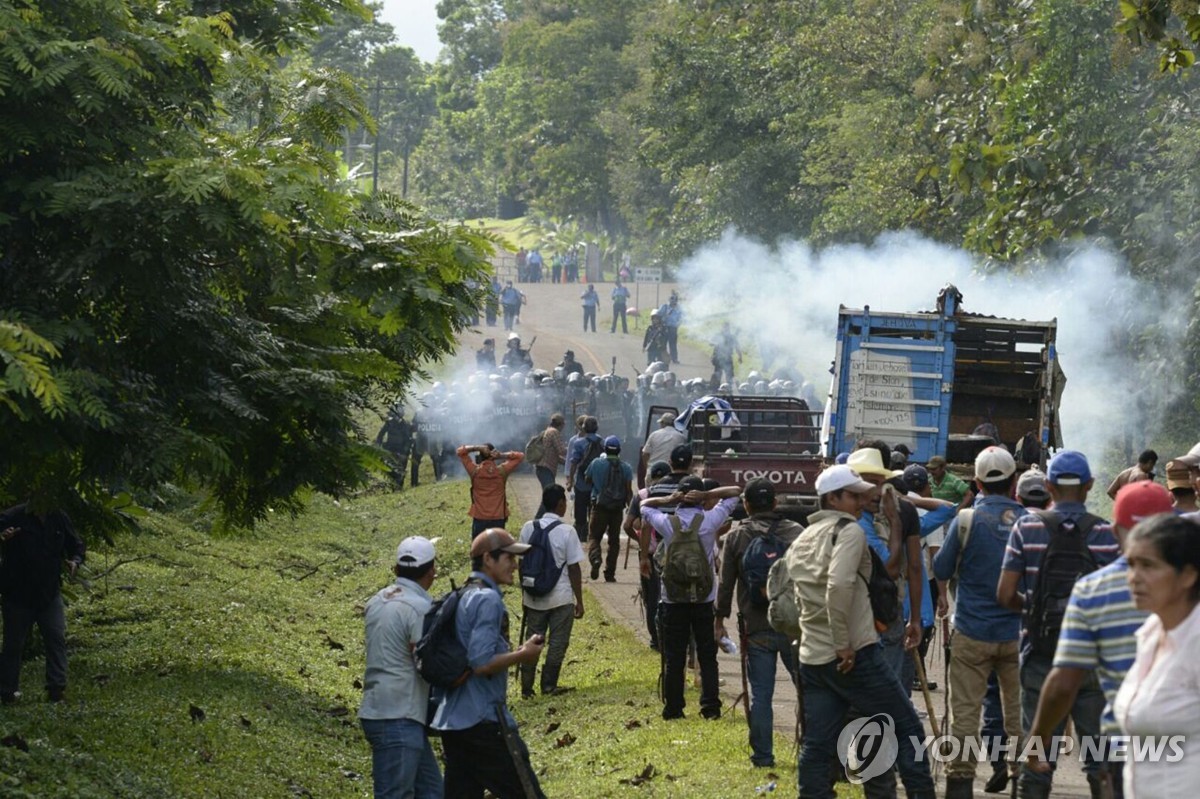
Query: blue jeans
(402, 762)
(872, 688)
(761, 651)
(1089, 704)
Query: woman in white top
(1160, 697)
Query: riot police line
(506, 407)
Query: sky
(416, 24)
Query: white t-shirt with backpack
(565, 547)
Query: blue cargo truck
(944, 382)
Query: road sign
(646, 274)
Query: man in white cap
(395, 700)
(473, 718)
(840, 662)
(985, 632)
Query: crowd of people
(1055, 612)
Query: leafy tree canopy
(194, 293)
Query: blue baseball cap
(612, 444)
(1069, 468)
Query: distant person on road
(493, 302)
(1142, 470)
(620, 299)
(395, 702)
(554, 451)
(516, 358)
(611, 479)
(553, 615)
(485, 356)
(489, 481)
(569, 365)
(583, 450)
(672, 317)
(396, 438)
(535, 266)
(473, 719)
(34, 543)
(654, 342)
(556, 268)
(591, 301)
(522, 265)
(722, 357)
(510, 301)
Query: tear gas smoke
(784, 300)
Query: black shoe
(595, 572)
(527, 694)
(610, 578)
(56, 693)
(10, 698)
(998, 781)
(557, 690)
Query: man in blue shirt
(1069, 479)
(608, 507)
(472, 717)
(591, 301)
(580, 453)
(1098, 631)
(672, 317)
(985, 633)
(620, 299)
(510, 301)
(395, 703)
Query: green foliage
(192, 293)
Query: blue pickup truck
(944, 382)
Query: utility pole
(375, 154)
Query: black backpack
(881, 589)
(594, 448)
(616, 488)
(441, 658)
(539, 572)
(1066, 559)
(761, 554)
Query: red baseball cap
(1140, 500)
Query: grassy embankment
(215, 666)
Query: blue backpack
(539, 572)
(761, 554)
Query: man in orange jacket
(489, 478)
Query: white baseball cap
(415, 551)
(994, 463)
(840, 477)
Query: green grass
(207, 665)
(512, 230)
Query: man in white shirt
(661, 443)
(552, 614)
(395, 702)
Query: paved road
(554, 316)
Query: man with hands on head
(489, 482)
(473, 718)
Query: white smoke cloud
(788, 295)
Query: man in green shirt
(943, 483)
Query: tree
(188, 300)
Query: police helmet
(725, 388)
(659, 380)
(574, 379)
(514, 336)
(744, 388)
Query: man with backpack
(549, 452)
(395, 703)
(985, 632)
(480, 743)
(580, 454)
(841, 663)
(611, 480)
(1047, 553)
(686, 557)
(552, 587)
(749, 552)
(1099, 631)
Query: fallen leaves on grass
(554, 725)
(15, 741)
(646, 775)
(196, 712)
(566, 740)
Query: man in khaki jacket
(840, 664)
